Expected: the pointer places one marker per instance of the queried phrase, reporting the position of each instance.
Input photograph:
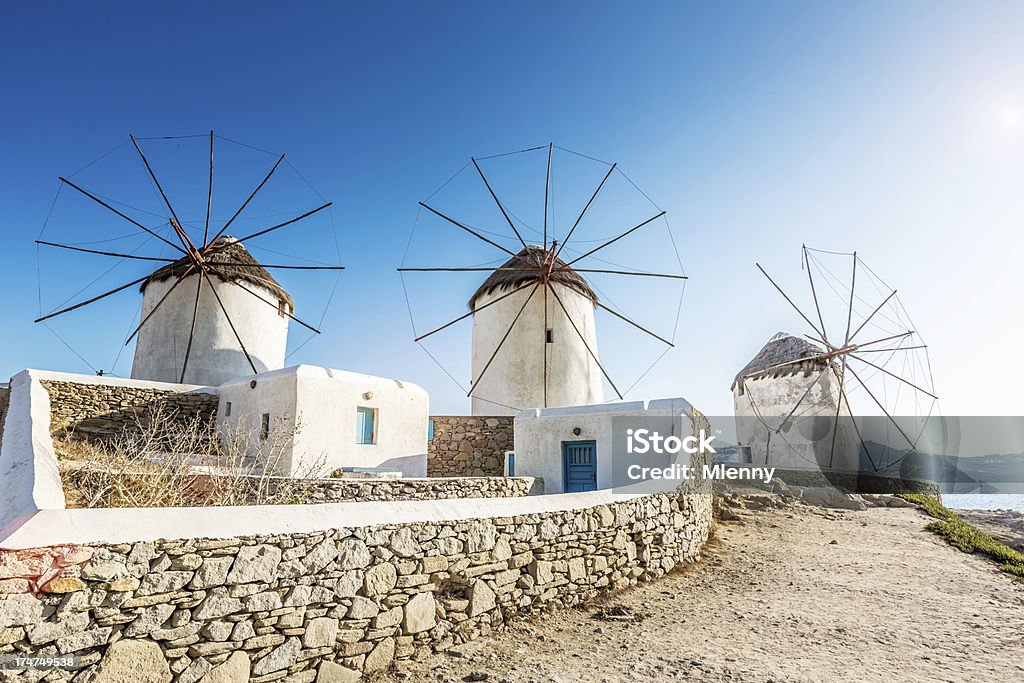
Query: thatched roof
(521, 269)
(782, 348)
(231, 262)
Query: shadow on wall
(95, 412)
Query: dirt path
(798, 594)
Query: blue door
(580, 465)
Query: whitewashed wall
(540, 433)
(804, 441)
(319, 406)
(216, 357)
(515, 380)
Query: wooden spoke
(181, 278)
(195, 312)
(615, 239)
(92, 300)
(860, 437)
(231, 324)
(288, 222)
(278, 307)
(209, 203)
(786, 297)
(849, 314)
(547, 186)
(624, 318)
(882, 407)
(814, 292)
(131, 220)
(463, 317)
(483, 372)
(249, 199)
(274, 265)
(176, 223)
(868, 319)
(894, 375)
(898, 348)
(584, 211)
(546, 323)
(502, 208)
(583, 339)
(453, 270)
(799, 402)
(467, 229)
(824, 342)
(885, 339)
(626, 272)
(839, 407)
(105, 253)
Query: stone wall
(99, 411)
(339, 490)
(328, 603)
(469, 446)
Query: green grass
(961, 535)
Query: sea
(984, 501)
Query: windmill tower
(534, 340)
(567, 373)
(787, 372)
(792, 400)
(190, 339)
(212, 313)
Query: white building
(785, 401)
(518, 376)
(324, 420)
(215, 356)
(584, 448)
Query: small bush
(168, 461)
(965, 537)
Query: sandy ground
(792, 594)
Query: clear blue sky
(894, 130)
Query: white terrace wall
(357, 596)
(299, 591)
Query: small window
(366, 425)
(227, 409)
(746, 455)
(282, 308)
(549, 336)
(265, 427)
(430, 429)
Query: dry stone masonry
(340, 490)
(326, 606)
(101, 411)
(469, 446)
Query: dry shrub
(167, 460)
